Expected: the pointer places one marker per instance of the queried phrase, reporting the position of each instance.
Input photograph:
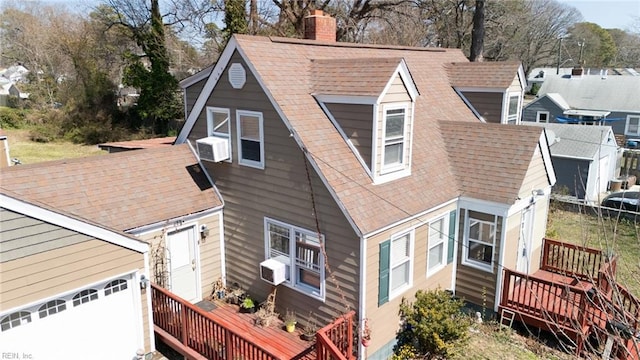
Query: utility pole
(559, 55)
(581, 44)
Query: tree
(148, 70)
(433, 325)
(599, 47)
(477, 34)
(526, 30)
(235, 18)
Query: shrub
(12, 118)
(433, 325)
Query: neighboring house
(493, 90)
(70, 288)
(161, 196)
(363, 176)
(119, 146)
(15, 73)
(7, 91)
(585, 159)
(589, 99)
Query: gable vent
(237, 76)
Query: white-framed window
(219, 125)
(250, 138)
(480, 242)
(437, 244)
(115, 286)
(513, 108)
(299, 249)
(52, 307)
(394, 138)
(633, 125)
(542, 117)
(85, 296)
(400, 263)
(15, 319)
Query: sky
(608, 14)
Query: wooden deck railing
(572, 260)
(335, 341)
(561, 305)
(197, 331)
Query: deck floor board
(274, 338)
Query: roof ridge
(285, 40)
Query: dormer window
(374, 116)
(394, 139)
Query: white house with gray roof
(585, 158)
(589, 99)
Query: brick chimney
(319, 26)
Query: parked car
(623, 200)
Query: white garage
(69, 289)
(97, 322)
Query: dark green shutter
(452, 236)
(383, 278)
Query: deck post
(185, 319)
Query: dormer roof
(496, 75)
(347, 77)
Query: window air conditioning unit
(273, 271)
(213, 148)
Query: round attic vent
(237, 76)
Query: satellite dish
(552, 138)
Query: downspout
(362, 302)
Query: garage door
(99, 322)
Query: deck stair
(575, 294)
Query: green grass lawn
(620, 235)
(29, 152)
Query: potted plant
(219, 289)
(310, 329)
(290, 321)
(247, 305)
(365, 334)
(236, 296)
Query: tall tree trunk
(477, 34)
(253, 17)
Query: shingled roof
(122, 191)
(491, 160)
(498, 75)
(284, 67)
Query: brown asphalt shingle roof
(350, 77)
(122, 191)
(140, 144)
(491, 160)
(482, 74)
(284, 67)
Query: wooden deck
(219, 331)
(574, 295)
(274, 339)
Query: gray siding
(192, 93)
(356, 121)
(571, 176)
(21, 236)
(280, 191)
(487, 104)
(545, 104)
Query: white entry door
(524, 244)
(182, 254)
